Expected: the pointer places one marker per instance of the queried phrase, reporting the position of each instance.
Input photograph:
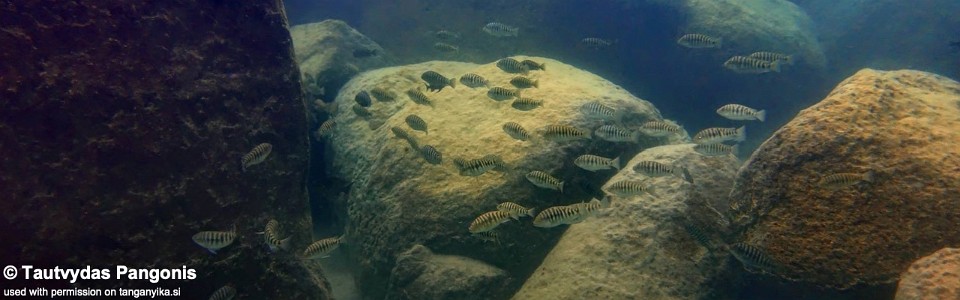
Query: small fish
(516, 210)
(842, 180)
(772, 57)
(697, 233)
(498, 164)
(322, 248)
(404, 134)
(750, 256)
(477, 167)
(557, 215)
(214, 240)
(526, 104)
(417, 123)
(655, 169)
(361, 111)
(444, 47)
(746, 65)
(696, 40)
(660, 129)
(741, 113)
(595, 43)
(524, 83)
(363, 98)
(595, 163)
(716, 135)
(532, 65)
(512, 66)
(325, 129)
(431, 154)
(501, 94)
(460, 162)
(488, 221)
(473, 80)
(256, 155)
(598, 110)
(419, 97)
(715, 149)
(271, 234)
(613, 133)
(516, 131)
(436, 82)
(489, 236)
(447, 35)
(563, 133)
(224, 293)
(382, 94)
(628, 188)
(543, 180)
(500, 29)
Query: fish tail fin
(453, 83)
(543, 66)
(719, 43)
(285, 243)
(532, 212)
(789, 59)
(561, 187)
(616, 163)
(742, 133)
(869, 176)
(605, 202)
(775, 66)
(635, 136)
(762, 115)
(736, 148)
(536, 83)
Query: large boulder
(397, 199)
(421, 274)
(933, 277)
(122, 131)
(900, 125)
(641, 247)
(331, 52)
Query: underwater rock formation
(936, 276)
(748, 26)
(398, 199)
(902, 127)
(329, 53)
(640, 247)
(421, 274)
(122, 129)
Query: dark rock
(421, 274)
(121, 132)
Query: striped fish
(214, 240)
(382, 94)
(416, 123)
(772, 56)
(628, 188)
(363, 99)
(405, 135)
(842, 180)
(557, 215)
(361, 111)
(532, 65)
(488, 236)
(474, 80)
(516, 210)
(447, 35)
(595, 163)
(543, 180)
(500, 30)
(746, 65)
(516, 131)
(598, 110)
(697, 40)
(563, 133)
(521, 82)
(488, 221)
(595, 43)
(588, 209)
(697, 233)
(431, 154)
(613, 133)
(501, 93)
(512, 66)
(750, 256)
(477, 167)
(271, 235)
(715, 149)
(256, 155)
(526, 104)
(322, 248)
(655, 169)
(660, 129)
(325, 129)
(436, 82)
(444, 47)
(419, 97)
(716, 135)
(224, 293)
(741, 113)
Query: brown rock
(933, 277)
(122, 127)
(902, 125)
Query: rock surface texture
(421, 274)
(398, 199)
(638, 248)
(121, 136)
(902, 126)
(933, 277)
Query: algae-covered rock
(398, 199)
(900, 125)
(641, 247)
(747, 26)
(421, 274)
(933, 277)
(329, 53)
